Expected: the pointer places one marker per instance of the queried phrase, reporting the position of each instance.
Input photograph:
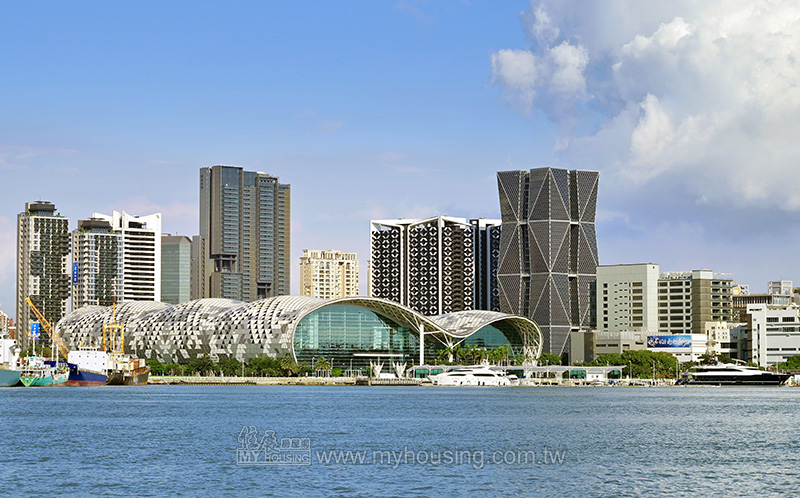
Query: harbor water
(399, 441)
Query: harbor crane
(62, 348)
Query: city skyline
(411, 115)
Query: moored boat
(731, 375)
(36, 373)
(478, 375)
(9, 359)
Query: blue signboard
(74, 273)
(34, 330)
(669, 341)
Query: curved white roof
(233, 328)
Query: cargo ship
(90, 366)
(9, 362)
(110, 365)
(127, 371)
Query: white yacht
(731, 375)
(478, 375)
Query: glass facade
(496, 335)
(345, 334)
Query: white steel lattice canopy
(243, 330)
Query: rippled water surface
(183, 441)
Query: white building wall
(774, 334)
(627, 298)
(141, 254)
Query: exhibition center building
(351, 332)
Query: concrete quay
(257, 381)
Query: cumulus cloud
(703, 96)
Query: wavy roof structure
(223, 327)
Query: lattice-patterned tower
(548, 249)
(425, 264)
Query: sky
(690, 111)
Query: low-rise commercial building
(773, 334)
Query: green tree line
(260, 366)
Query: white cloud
(515, 71)
(569, 63)
(15, 157)
(698, 97)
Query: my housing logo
(269, 450)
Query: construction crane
(62, 348)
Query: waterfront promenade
(351, 381)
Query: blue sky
(376, 110)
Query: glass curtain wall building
(176, 256)
(244, 235)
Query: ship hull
(86, 378)
(59, 379)
(9, 378)
(737, 382)
(136, 378)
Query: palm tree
(322, 364)
(288, 365)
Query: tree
(230, 366)
(289, 366)
(202, 365)
(549, 359)
(323, 364)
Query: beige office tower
(689, 299)
(328, 274)
(42, 266)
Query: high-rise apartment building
(176, 263)
(140, 238)
(97, 264)
(4, 323)
(425, 264)
(198, 283)
(42, 266)
(328, 274)
(244, 234)
(548, 249)
(486, 241)
(687, 300)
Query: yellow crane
(62, 348)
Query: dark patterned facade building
(244, 235)
(486, 237)
(42, 266)
(548, 249)
(431, 265)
